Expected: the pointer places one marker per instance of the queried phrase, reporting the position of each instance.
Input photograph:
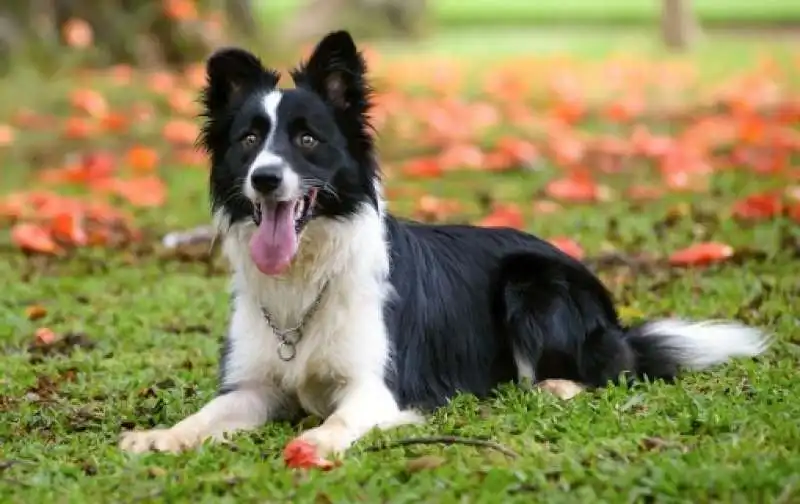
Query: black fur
(466, 298)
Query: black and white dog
(343, 311)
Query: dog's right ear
(232, 71)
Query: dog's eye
(306, 141)
(250, 140)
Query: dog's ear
(230, 72)
(336, 70)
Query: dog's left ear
(336, 72)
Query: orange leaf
(180, 10)
(545, 207)
(794, 212)
(518, 150)
(45, 336)
(644, 193)
(758, 207)
(461, 156)
(431, 208)
(6, 135)
(504, 216)
(77, 128)
(143, 192)
(577, 187)
(568, 246)
(89, 101)
(422, 168)
(35, 312)
(115, 122)
(180, 131)
(68, 226)
(33, 238)
(701, 254)
(300, 454)
(142, 159)
(77, 33)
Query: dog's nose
(266, 179)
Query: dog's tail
(662, 348)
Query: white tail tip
(700, 345)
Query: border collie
(343, 311)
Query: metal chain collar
(289, 338)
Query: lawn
(524, 13)
(122, 334)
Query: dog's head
(282, 157)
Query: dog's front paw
(162, 440)
(329, 440)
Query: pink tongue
(274, 243)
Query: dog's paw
(329, 440)
(563, 389)
(162, 440)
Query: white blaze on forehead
(291, 181)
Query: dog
(369, 321)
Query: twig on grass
(448, 440)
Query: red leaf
(33, 238)
(422, 168)
(758, 207)
(300, 454)
(68, 226)
(701, 254)
(568, 246)
(504, 216)
(45, 336)
(577, 187)
(644, 193)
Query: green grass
(728, 434)
(151, 327)
(464, 13)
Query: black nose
(266, 179)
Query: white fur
(290, 189)
(339, 367)
(525, 370)
(708, 343)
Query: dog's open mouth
(279, 223)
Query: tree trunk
(679, 26)
(362, 17)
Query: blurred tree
(362, 17)
(679, 25)
(140, 32)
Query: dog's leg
(366, 404)
(563, 389)
(247, 397)
(241, 409)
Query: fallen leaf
(503, 216)
(758, 207)
(568, 246)
(142, 159)
(180, 132)
(44, 336)
(7, 135)
(33, 238)
(701, 254)
(425, 462)
(422, 168)
(300, 454)
(35, 312)
(546, 207)
(77, 33)
(578, 187)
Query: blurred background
(488, 112)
